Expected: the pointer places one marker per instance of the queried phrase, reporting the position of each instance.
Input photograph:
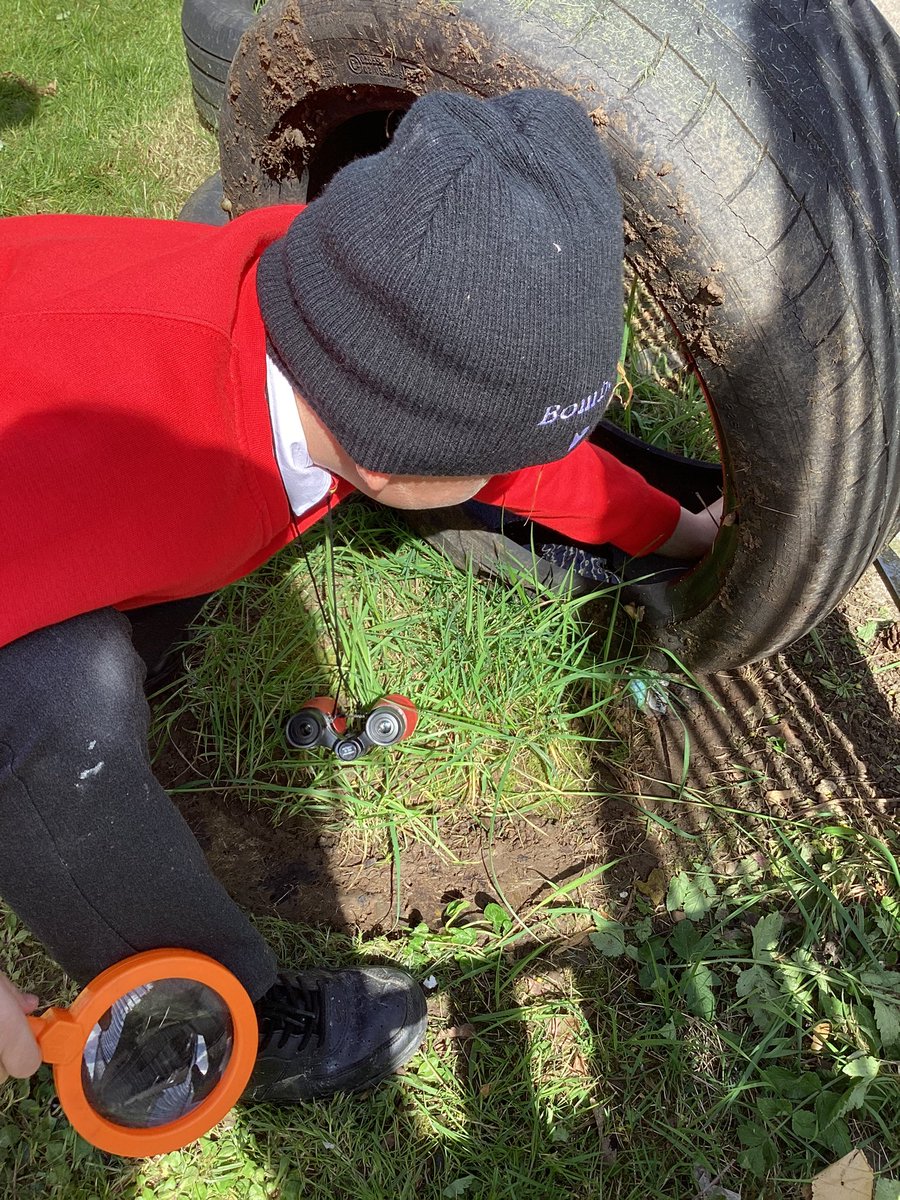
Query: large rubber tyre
(755, 144)
(212, 30)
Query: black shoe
(323, 1032)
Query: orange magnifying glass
(152, 1053)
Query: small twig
(705, 509)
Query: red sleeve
(590, 497)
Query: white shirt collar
(304, 482)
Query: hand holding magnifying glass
(19, 1053)
(151, 1054)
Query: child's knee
(73, 681)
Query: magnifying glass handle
(58, 1035)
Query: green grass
(660, 399)
(741, 1019)
(612, 1064)
(513, 693)
(95, 109)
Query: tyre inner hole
(332, 128)
(357, 137)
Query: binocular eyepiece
(318, 723)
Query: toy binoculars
(318, 723)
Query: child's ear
(376, 481)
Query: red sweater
(136, 458)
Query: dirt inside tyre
(755, 154)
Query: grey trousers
(94, 857)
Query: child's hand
(695, 532)
(19, 1053)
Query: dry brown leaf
(549, 982)
(790, 734)
(464, 1032)
(562, 1029)
(575, 939)
(654, 886)
(818, 1035)
(578, 1066)
(608, 1145)
(850, 1178)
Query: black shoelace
(589, 566)
(290, 1010)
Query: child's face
(396, 491)
(419, 491)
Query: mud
(301, 74)
(303, 871)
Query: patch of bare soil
(812, 730)
(301, 872)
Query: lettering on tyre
(382, 66)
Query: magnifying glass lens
(157, 1053)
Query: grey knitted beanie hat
(453, 304)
